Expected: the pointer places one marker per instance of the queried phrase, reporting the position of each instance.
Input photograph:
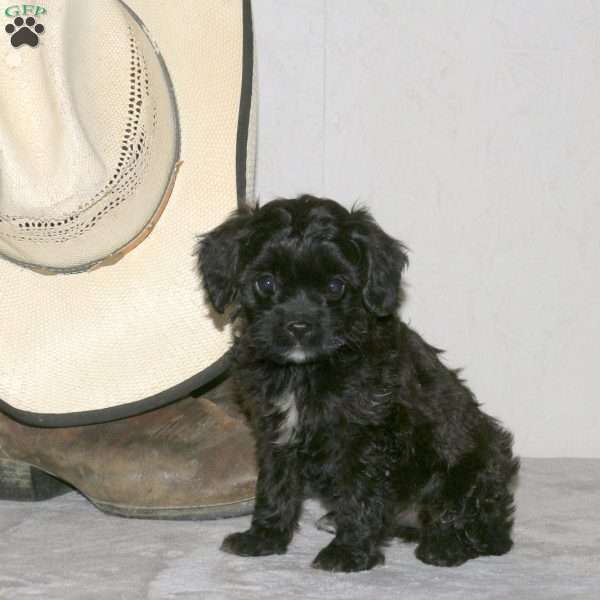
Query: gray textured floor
(65, 549)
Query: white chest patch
(297, 356)
(286, 406)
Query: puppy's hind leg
(467, 515)
(408, 532)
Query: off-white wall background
(472, 131)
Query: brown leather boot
(188, 460)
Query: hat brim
(126, 338)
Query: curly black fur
(349, 404)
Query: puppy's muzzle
(299, 329)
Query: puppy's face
(307, 274)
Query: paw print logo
(24, 32)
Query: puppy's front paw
(339, 557)
(252, 543)
(443, 548)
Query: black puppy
(350, 404)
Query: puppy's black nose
(299, 328)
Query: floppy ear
(219, 258)
(383, 259)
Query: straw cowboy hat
(126, 130)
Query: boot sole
(191, 513)
(23, 482)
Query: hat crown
(88, 133)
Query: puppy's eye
(336, 288)
(265, 284)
